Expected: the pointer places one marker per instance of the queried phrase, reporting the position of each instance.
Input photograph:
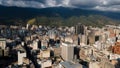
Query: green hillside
(91, 20)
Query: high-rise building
(35, 45)
(1, 52)
(6, 52)
(82, 39)
(44, 44)
(91, 37)
(67, 51)
(79, 29)
(2, 43)
(20, 57)
(53, 34)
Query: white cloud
(33, 4)
(104, 5)
(51, 3)
(111, 8)
(66, 2)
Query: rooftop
(70, 65)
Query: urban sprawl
(78, 46)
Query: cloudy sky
(103, 5)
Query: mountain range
(13, 13)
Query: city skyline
(59, 33)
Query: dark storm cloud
(104, 5)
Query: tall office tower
(6, 52)
(53, 34)
(1, 52)
(44, 44)
(27, 26)
(67, 51)
(82, 39)
(2, 43)
(21, 55)
(91, 37)
(78, 41)
(79, 29)
(35, 45)
(39, 44)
